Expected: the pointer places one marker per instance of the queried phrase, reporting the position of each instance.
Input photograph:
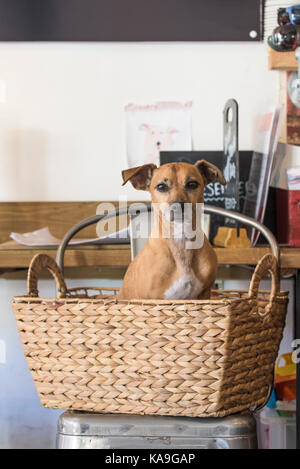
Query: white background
(62, 128)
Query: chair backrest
(209, 209)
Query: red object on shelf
(288, 217)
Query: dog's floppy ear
(139, 177)
(210, 172)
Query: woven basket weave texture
(200, 358)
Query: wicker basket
(200, 358)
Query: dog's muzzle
(178, 212)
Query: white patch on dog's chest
(185, 288)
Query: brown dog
(173, 264)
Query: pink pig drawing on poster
(157, 138)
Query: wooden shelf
(282, 60)
(61, 216)
(14, 255)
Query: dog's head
(175, 184)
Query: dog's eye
(192, 185)
(162, 187)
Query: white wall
(62, 126)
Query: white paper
(261, 167)
(158, 127)
(43, 237)
(267, 139)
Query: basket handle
(268, 263)
(39, 262)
